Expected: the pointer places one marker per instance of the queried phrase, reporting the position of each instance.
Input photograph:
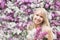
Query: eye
(37, 15)
(41, 16)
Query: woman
(39, 29)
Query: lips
(37, 20)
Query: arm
(50, 34)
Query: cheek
(41, 19)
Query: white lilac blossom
(11, 24)
(16, 31)
(31, 34)
(50, 17)
(33, 5)
(10, 4)
(8, 10)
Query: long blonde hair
(45, 17)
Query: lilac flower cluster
(39, 34)
(57, 5)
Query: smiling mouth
(38, 20)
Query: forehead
(39, 13)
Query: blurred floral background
(15, 15)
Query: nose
(38, 17)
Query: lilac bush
(15, 15)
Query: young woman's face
(38, 18)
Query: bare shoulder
(50, 33)
(47, 28)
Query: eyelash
(41, 16)
(38, 15)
